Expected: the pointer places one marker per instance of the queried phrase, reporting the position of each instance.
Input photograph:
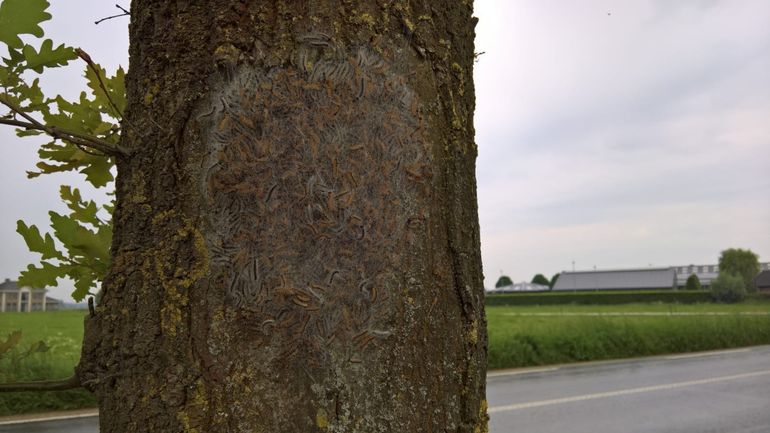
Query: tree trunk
(296, 235)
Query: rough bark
(296, 235)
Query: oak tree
(294, 242)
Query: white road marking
(643, 313)
(623, 392)
(519, 372)
(714, 353)
(61, 417)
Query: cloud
(609, 136)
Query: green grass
(62, 331)
(748, 306)
(599, 297)
(522, 336)
(519, 336)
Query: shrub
(693, 283)
(504, 280)
(743, 263)
(541, 279)
(728, 288)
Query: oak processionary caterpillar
(311, 177)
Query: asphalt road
(708, 393)
(720, 392)
(77, 425)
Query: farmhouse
(621, 279)
(24, 299)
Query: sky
(610, 134)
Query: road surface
(697, 393)
(717, 392)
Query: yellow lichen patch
(183, 418)
(227, 52)
(367, 19)
(482, 425)
(194, 409)
(150, 95)
(473, 332)
(137, 195)
(409, 24)
(322, 419)
(174, 278)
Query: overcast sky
(612, 134)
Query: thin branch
(75, 137)
(125, 13)
(85, 150)
(86, 58)
(71, 382)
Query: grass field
(529, 336)
(519, 336)
(62, 331)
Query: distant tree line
(737, 270)
(541, 279)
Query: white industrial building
(671, 277)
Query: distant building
(641, 278)
(620, 279)
(705, 273)
(762, 281)
(520, 287)
(24, 299)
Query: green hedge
(516, 341)
(600, 298)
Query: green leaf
(31, 97)
(36, 243)
(81, 210)
(98, 172)
(80, 241)
(44, 276)
(83, 116)
(36, 347)
(18, 17)
(11, 342)
(84, 282)
(95, 167)
(115, 86)
(48, 57)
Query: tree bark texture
(296, 237)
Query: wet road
(702, 393)
(77, 425)
(705, 393)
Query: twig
(86, 58)
(71, 382)
(77, 138)
(125, 13)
